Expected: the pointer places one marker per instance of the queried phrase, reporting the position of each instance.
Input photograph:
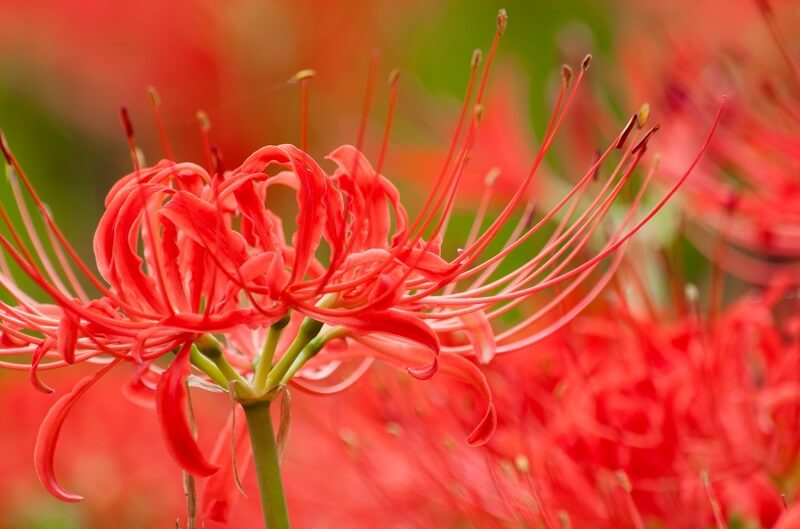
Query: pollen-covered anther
(491, 176)
(394, 77)
(644, 113)
(502, 21)
(477, 55)
(691, 292)
(566, 74)
(522, 464)
(477, 112)
(624, 481)
(394, 429)
(203, 120)
(155, 97)
(587, 61)
(302, 75)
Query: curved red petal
(462, 369)
(480, 335)
(44, 451)
(38, 354)
(397, 324)
(171, 408)
(67, 336)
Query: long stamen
(155, 104)
(12, 161)
(302, 78)
(204, 125)
(151, 235)
(367, 102)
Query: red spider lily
(611, 423)
(745, 192)
(193, 261)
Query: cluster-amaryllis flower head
(198, 271)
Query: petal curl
(171, 408)
(47, 439)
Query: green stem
(208, 367)
(308, 330)
(265, 362)
(265, 455)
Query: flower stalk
(268, 472)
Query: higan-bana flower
(197, 273)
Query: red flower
(194, 261)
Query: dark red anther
(627, 131)
(126, 122)
(642, 145)
(596, 164)
(6, 150)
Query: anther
(566, 74)
(502, 21)
(203, 120)
(627, 131)
(302, 75)
(218, 163)
(155, 98)
(596, 164)
(478, 112)
(522, 464)
(394, 76)
(691, 292)
(587, 61)
(491, 176)
(126, 122)
(642, 145)
(644, 113)
(6, 149)
(624, 481)
(476, 58)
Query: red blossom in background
(745, 192)
(612, 423)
